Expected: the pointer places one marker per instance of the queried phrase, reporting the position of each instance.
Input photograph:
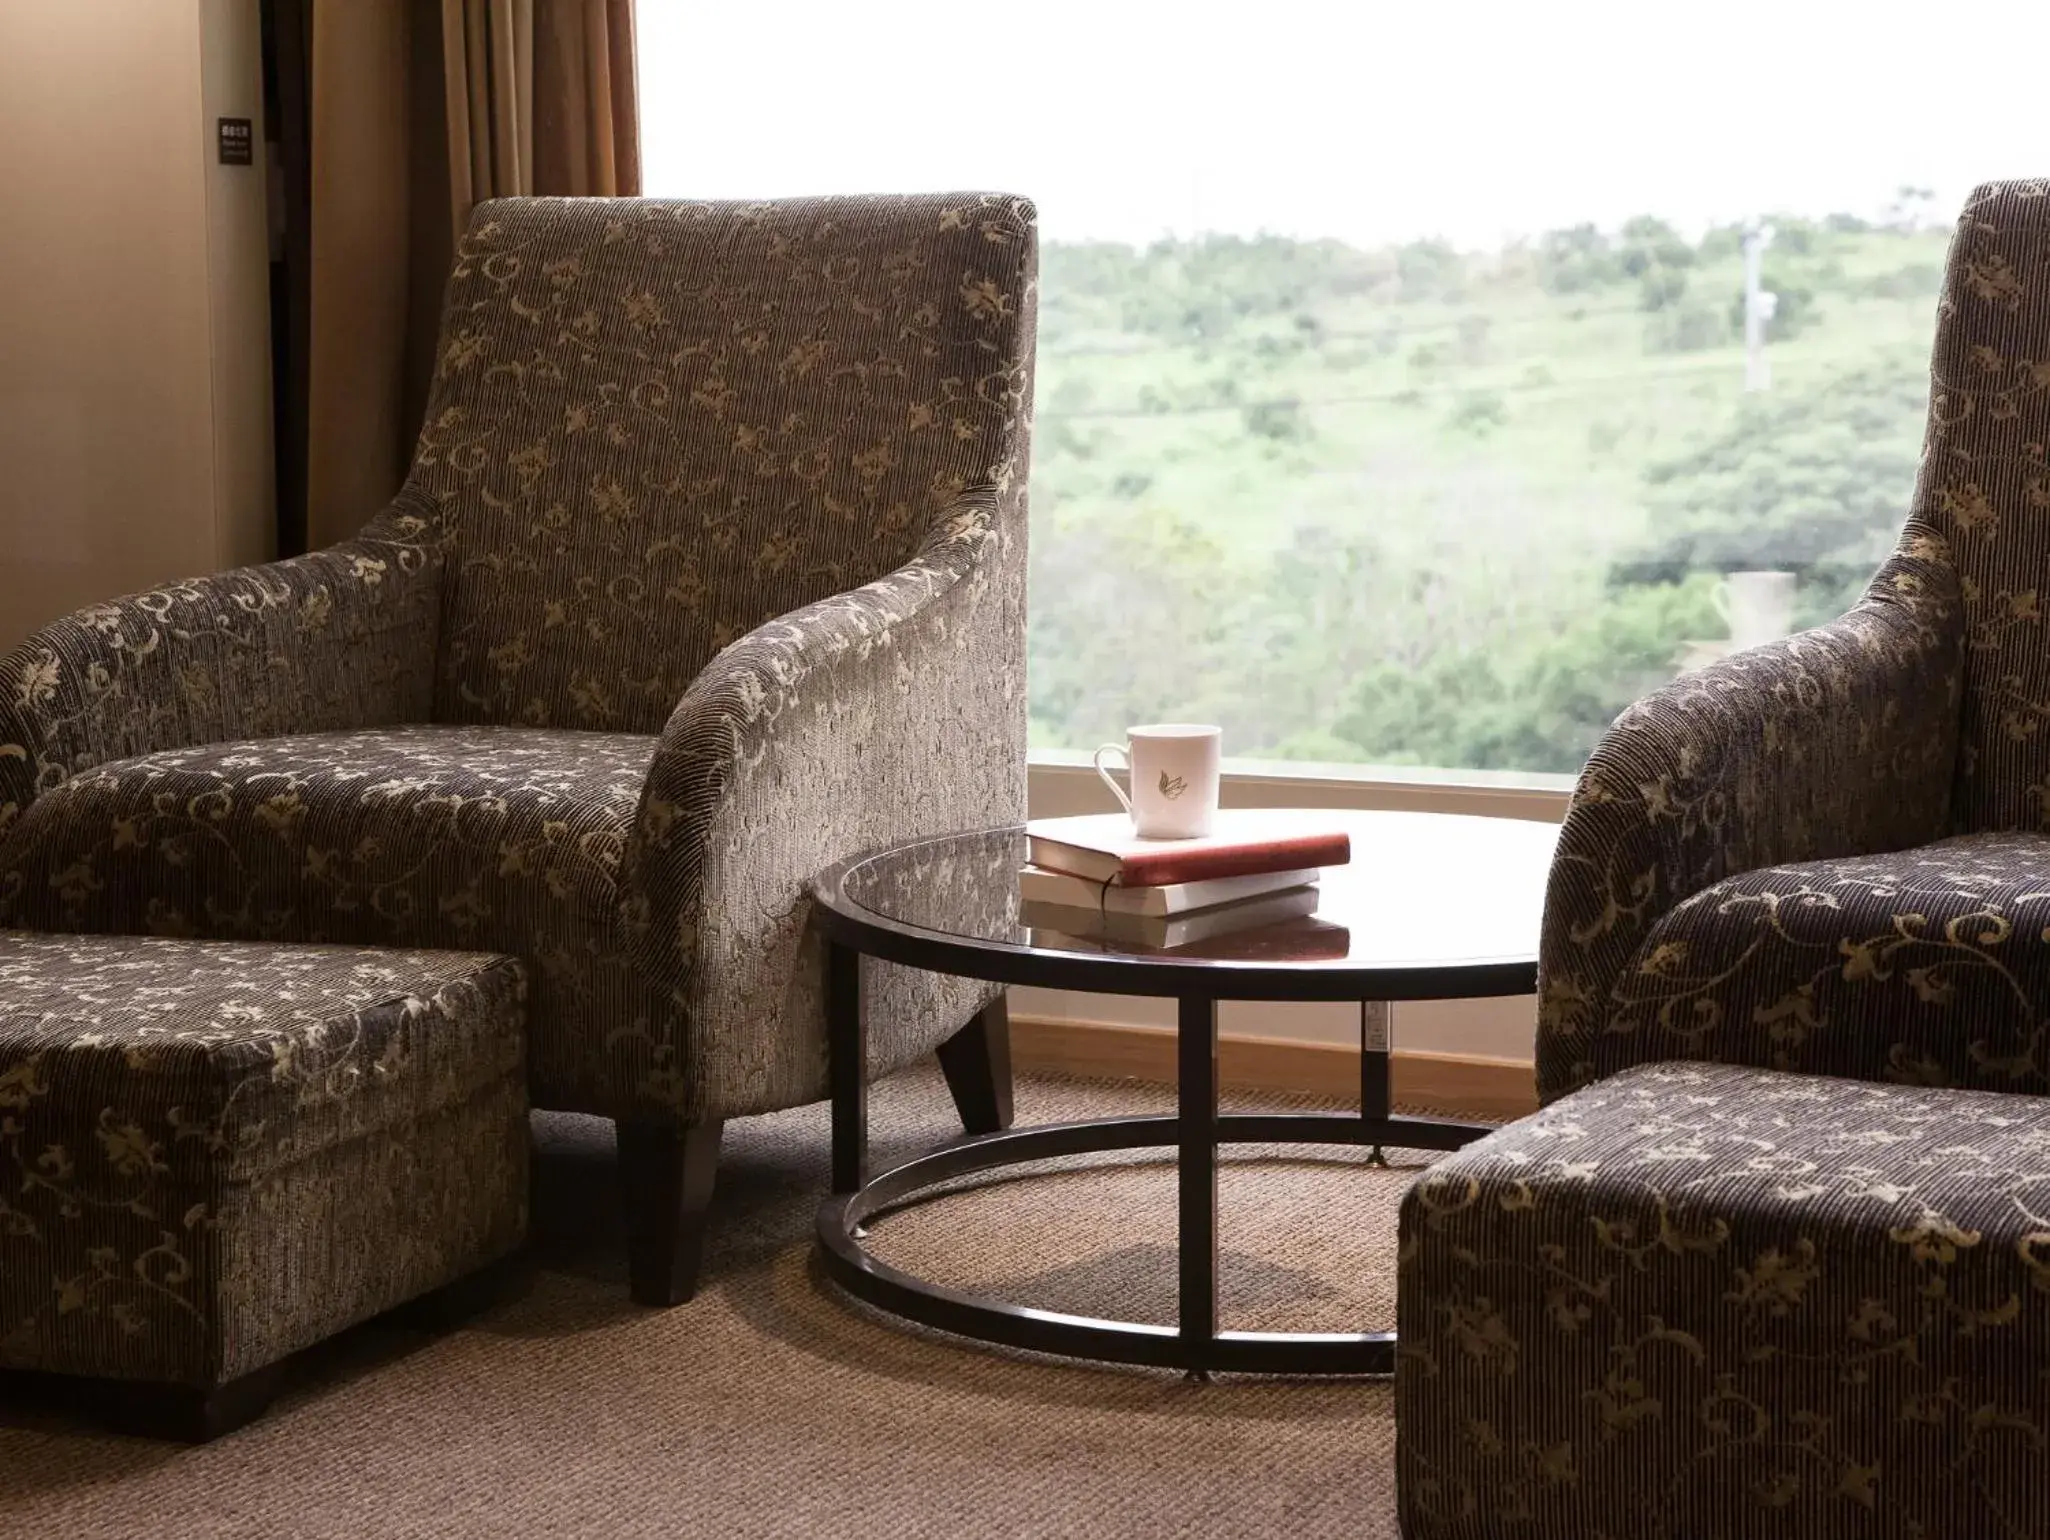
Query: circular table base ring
(898, 1293)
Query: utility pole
(1759, 305)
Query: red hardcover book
(1103, 848)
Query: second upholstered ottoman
(215, 1154)
(1715, 1301)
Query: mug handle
(1115, 789)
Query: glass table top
(1423, 892)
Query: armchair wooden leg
(977, 1063)
(665, 1174)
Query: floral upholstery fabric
(338, 639)
(1704, 1300)
(212, 1155)
(1917, 716)
(481, 839)
(666, 423)
(1925, 965)
(738, 490)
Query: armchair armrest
(885, 713)
(1839, 741)
(342, 637)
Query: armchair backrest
(1982, 505)
(655, 425)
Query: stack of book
(1092, 883)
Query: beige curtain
(421, 109)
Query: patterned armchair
(710, 570)
(1828, 854)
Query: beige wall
(134, 373)
(238, 289)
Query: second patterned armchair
(1829, 854)
(709, 571)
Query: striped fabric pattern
(1830, 853)
(1710, 1300)
(213, 1155)
(709, 572)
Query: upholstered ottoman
(1695, 1300)
(212, 1155)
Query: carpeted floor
(770, 1406)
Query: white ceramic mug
(1173, 766)
(1756, 606)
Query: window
(1418, 385)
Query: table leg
(847, 1060)
(1375, 1044)
(1196, 1108)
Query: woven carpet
(770, 1405)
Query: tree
(1687, 327)
(1280, 421)
(1652, 252)
(1575, 260)
(1270, 490)
(1480, 412)
(1134, 620)
(1430, 270)
(1816, 481)
(1527, 702)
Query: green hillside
(1415, 506)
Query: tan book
(1039, 886)
(1167, 931)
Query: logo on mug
(1172, 786)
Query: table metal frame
(1195, 1132)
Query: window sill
(1063, 781)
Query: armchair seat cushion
(1928, 966)
(495, 839)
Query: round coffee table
(1432, 907)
